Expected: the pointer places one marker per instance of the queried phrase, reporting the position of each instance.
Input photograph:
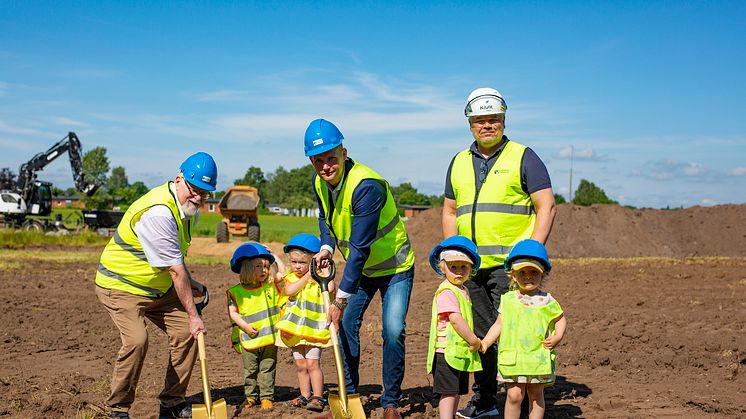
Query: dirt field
(654, 336)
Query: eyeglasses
(196, 192)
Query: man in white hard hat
(497, 192)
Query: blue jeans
(395, 303)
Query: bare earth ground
(654, 336)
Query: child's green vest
(457, 351)
(258, 307)
(524, 328)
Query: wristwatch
(340, 305)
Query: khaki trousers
(259, 372)
(129, 311)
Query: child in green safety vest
(530, 324)
(452, 349)
(254, 312)
(302, 327)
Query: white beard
(189, 209)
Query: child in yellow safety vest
(452, 349)
(530, 324)
(253, 310)
(303, 323)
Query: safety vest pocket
(507, 357)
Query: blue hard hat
(529, 249)
(321, 136)
(249, 250)
(200, 170)
(460, 243)
(307, 242)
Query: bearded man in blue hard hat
(142, 275)
(358, 215)
(497, 193)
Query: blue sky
(650, 95)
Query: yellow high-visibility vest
(391, 252)
(123, 265)
(457, 353)
(502, 214)
(257, 307)
(304, 315)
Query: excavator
(32, 197)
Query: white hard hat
(485, 101)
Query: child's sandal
(297, 402)
(250, 402)
(316, 404)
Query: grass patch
(274, 228)
(12, 258)
(10, 238)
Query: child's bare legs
(535, 400)
(304, 381)
(447, 405)
(316, 376)
(513, 400)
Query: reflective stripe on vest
(304, 314)
(521, 350)
(501, 214)
(391, 251)
(257, 307)
(123, 265)
(457, 353)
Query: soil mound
(618, 232)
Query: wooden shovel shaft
(337, 358)
(205, 379)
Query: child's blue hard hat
(249, 251)
(307, 242)
(200, 170)
(460, 243)
(528, 249)
(321, 136)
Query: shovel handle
(323, 281)
(203, 366)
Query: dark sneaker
(118, 415)
(180, 411)
(472, 411)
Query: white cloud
(736, 172)
(581, 154)
(668, 169)
(68, 122)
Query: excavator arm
(71, 144)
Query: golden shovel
(342, 405)
(209, 410)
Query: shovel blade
(219, 410)
(354, 407)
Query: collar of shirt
(475, 150)
(336, 189)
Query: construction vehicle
(240, 216)
(32, 197)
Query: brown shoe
(391, 413)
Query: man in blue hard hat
(358, 215)
(142, 275)
(498, 192)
